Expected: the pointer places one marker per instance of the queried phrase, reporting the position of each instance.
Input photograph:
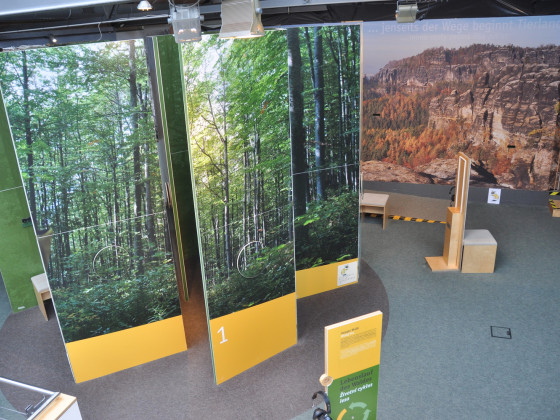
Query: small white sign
(347, 273)
(494, 195)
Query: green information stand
(352, 355)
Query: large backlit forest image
(82, 123)
(324, 126)
(497, 103)
(272, 137)
(240, 150)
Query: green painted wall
(19, 253)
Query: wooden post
(455, 222)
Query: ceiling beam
(32, 6)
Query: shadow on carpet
(182, 386)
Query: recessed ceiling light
(144, 6)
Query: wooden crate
(554, 207)
(479, 251)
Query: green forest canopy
(82, 122)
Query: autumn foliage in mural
(494, 103)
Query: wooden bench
(479, 251)
(373, 203)
(42, 291)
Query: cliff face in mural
(498, 104)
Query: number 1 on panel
(224, 339)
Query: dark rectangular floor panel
(500, 332)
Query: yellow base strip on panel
(312, 281)
(99, 356)
(243, 339)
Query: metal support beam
(33, 6)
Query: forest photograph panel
(324, 86)
(486, 87)
(237, 100)
(82, 123)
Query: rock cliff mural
(498, 103)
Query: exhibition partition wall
(273, 136)
(20, 258)
(83, 129)
(324, 84)
(485, 87)
(240, 151)
(274, 128)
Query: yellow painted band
(312, 281)
(99, 356)
(243, 339)
(353, 345)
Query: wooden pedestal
(479, 251)
(554, 207)
(452, 245)
(42, 292)
(64, 407)
(375, 204)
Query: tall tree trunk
(227, 218)
(114, 180)
(319, 95)
(256, 187)
(137, 170)
(355, 107)
(65, 228)
(344, 35)
(297, 132)
(28, 139)
(226, 187)
(216, 229)
(148, 204)
(336, 56)
(246, 192)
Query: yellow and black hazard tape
(551, 202)
(407, 219)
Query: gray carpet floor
(182, 386)
(438, 358)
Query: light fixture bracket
(185, 20)
(406, 11)
(241, 19)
